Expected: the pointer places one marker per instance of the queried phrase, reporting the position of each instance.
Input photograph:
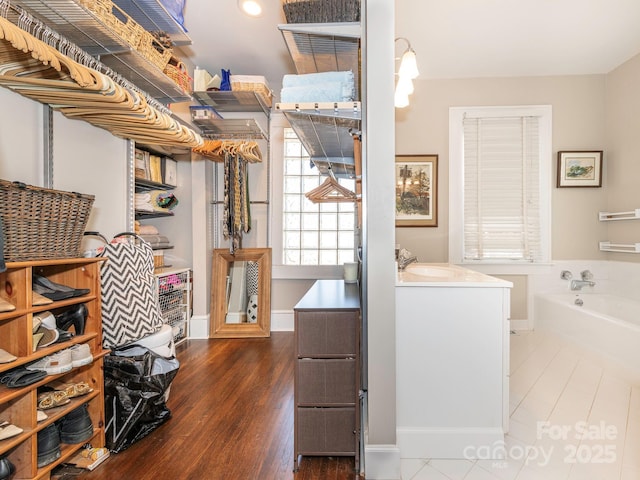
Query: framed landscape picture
(580, 169)
(416, 181)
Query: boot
(7, 469)
(76, 316)
(76, 426)
(48, 445)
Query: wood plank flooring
(232, 418)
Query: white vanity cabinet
(452, 347)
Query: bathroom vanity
(452, 361)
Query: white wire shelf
(610, 216)
(620, 247)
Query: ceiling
(452, 38)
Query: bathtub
(606, 323)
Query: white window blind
(502, 189)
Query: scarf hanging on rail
(237, 215)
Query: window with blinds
(502, 178)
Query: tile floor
(574, 416)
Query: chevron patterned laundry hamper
(130, 308)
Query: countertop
(330, 295)
(446, 275)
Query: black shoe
(76, 316)
(7, 469)
(56, 291)
(76, 426)
(48, 445)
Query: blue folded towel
(314, 78)
(321, 92)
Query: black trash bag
(136, 383)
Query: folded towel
(321, 92)
(144, 207)
(147, 230)
(142, 197)
(314, 78)
(155, 240)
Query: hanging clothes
(237, 216)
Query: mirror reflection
(242, 292)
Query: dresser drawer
(328, 431)
(327, 333)
(326, 382)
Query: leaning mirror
(241, 293)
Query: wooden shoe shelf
(18, 405)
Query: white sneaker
(80, 355)
(59, 362)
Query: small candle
(350, 272)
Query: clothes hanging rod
(256, 202)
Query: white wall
(21, 139)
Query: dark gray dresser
(327, 371)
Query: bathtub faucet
(405, 258)
(578, 284)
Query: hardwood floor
(232, 418)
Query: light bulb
(250, 7)
(408, 65)
(405, 85)
(400, 99)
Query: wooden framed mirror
(241, 293)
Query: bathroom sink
(431, 270)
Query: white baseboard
(199, 327)
(382, 462)
(467, 443)
(282, 320)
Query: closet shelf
(233, 101)
(146, 185)
(152, 16)
(81, 27)
(141, 215)
(230, 129)
(620, 247)
(324, 47)
(326, 130)
(609, 216)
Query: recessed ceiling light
(250, 7)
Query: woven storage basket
(41, 223)
(153, 51)
(257, 87)
(177, 71)
(116, 19)
(321, 11)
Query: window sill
(306, 272)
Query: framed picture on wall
(416, 181)
(580, 169)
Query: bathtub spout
(578, 284)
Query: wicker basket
(41, 223)
(116, 19)
(177, 71)
(252, 83)
(154, 51)
(321, 11)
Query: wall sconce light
(406, 73)
(252, 8)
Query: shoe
(49, 289)
(72, 389)
(21, 377)
(41, 416)
(53, 399)
(6, 306)
(76, 426)
(80, 355)
(6, 357)
(59, 362)
(8, 430)
(46, 325)
(48, 445)
(76, 316)
(7, 469)
(38, 300)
